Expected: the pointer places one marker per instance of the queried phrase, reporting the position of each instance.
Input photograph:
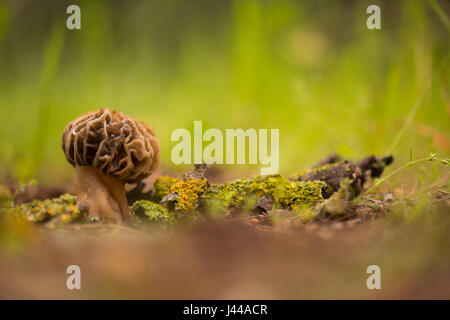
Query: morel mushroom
(108, 149)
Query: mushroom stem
(103, 196)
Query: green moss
(242, 193)
(163, 186)
(303, 213)
(336, 205)
(189, 200)
(64, 208)
(287, 193)
(232, 194)
(144, 210)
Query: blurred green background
(309, 68)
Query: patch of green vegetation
(147, 211)
(431, 157)
(336, 205)
(304, 214)
(7, 197)
(234, 194)
(163, 186)
(63, 208)
(285, 193)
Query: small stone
(172, 196)
(266, 202)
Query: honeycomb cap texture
(115, 144)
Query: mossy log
(322, 191)
(333, 170)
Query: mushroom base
(103, 196)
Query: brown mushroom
(108, 149)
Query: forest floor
(240, 257)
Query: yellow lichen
(163, 186)
(189, 192)
(39, 211)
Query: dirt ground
(236, 259)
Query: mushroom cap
(115, 144)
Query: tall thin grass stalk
(441, 13)
(415, 107)
(431, 157)
(52, 56)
